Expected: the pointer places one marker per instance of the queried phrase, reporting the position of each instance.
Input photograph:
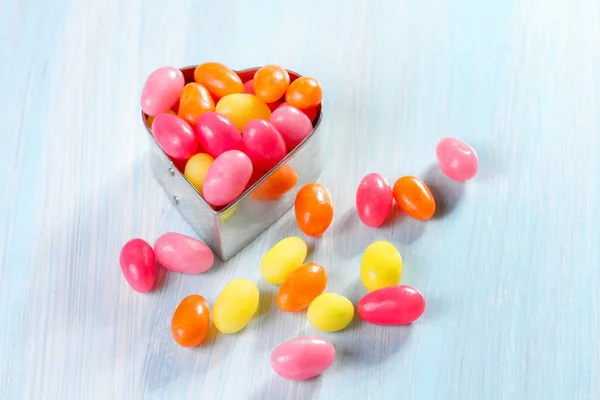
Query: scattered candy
(293, 125)
(218, 79)
(283, 258)
(280, 182)
(301, 287)
(174, 136)
(271, 82)
(191, 321)
(457, 159)
(217, 134)
(314, 209)
(263, 144)
(242, 108)
(138, 265)
(181, 253)
(161, 90)
(381, 266)
(235, 306)
(330, 312)
(414, 198)
(195, 100)
(302, 358)
(393, 305)
(304, 93)
(373, 200)
(226, 178)
(196, 169)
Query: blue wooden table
(509, 268)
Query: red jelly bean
(138, 264)
(174, 136)
(392, 305)
(263, 144)
(217, 134)
(373, 200)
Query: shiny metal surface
(229, 230)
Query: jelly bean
(457, 159)
(263, 144)
(271, 83)
(414, 198)
(313, 208)
(373, 200)
(242, 108)
(283, 258)
(150, 120)
(226, 178)
(311, 112)
(138, 264)
(218, 79)
(249, 87)
(161, 90)
(181, 253)
(195, 101)
(301, 287)
(217, 134)
(293, 125)
(191, 321)
(302, 358)
(196, 169)
(330, 312)
(278, 183)
(175, 136)
(381, 266)
(393, 305)
(235, 306)
(274, 105)
(304, 93)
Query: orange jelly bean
(271, 83)
(194, 101)
(314, 209)
(414, 197)
(218, 79)
(276, 185)
(304, 93)
(191, 321)
(301, 287)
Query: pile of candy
(302, 284)
(225, 134)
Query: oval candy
(414, 198)
(304, 93)
(226, 178)
(249, 87)
(196, 169)
(161, 90)
(195, 100)
(283, 258)
(381, 266)
(293, 125)
(263, 144)
(181, 253)
(191, 321)
(174, 136)
(392, 305)
(235, 306)
(138, 264)
(302, 358)
(218, 79)
(330, 312)
(457, 159)
(301, 287)
(242, 108)
(271, 83)
(280, 182)
(217, 134)
(374, 200)
(313, 209)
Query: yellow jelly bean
(235, 306)
(196, 168)
(242, 108)
(330, 312)
(381, 266)
(287, 255)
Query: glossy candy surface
(330, 312)
(283, 258)
(374, 200)
(271, 83)
(161, 90)
(381, 266)
(196, 169)
(175, 136)
(280, 182)
(313, 209)
(304, 93)
(150, 120)
(263, 144)
(191, 321)
(235, 306)
(302, 358)
(195, 100)
(414, 198)
(242, 108)
(301, 287)
(249, 86)
(457, 159)
(393, 305)
(218, 79)
(181, 253)
(292, 124)
(226, 178)
(138, 264)
(217, 134)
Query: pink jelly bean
(392, 305)
(161, 90)
(217, 134)
(138, 265)
(181, 253)
(457, 159)
(374, 200)
(302, 358)
(175, 136)
(293, 125)
(226, 178)
(263, 144)
(249, 86)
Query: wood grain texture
(510, 270)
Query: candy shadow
(266, 304)
(279, 388)
(351, 237)
(408, 230)
(447, 192)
